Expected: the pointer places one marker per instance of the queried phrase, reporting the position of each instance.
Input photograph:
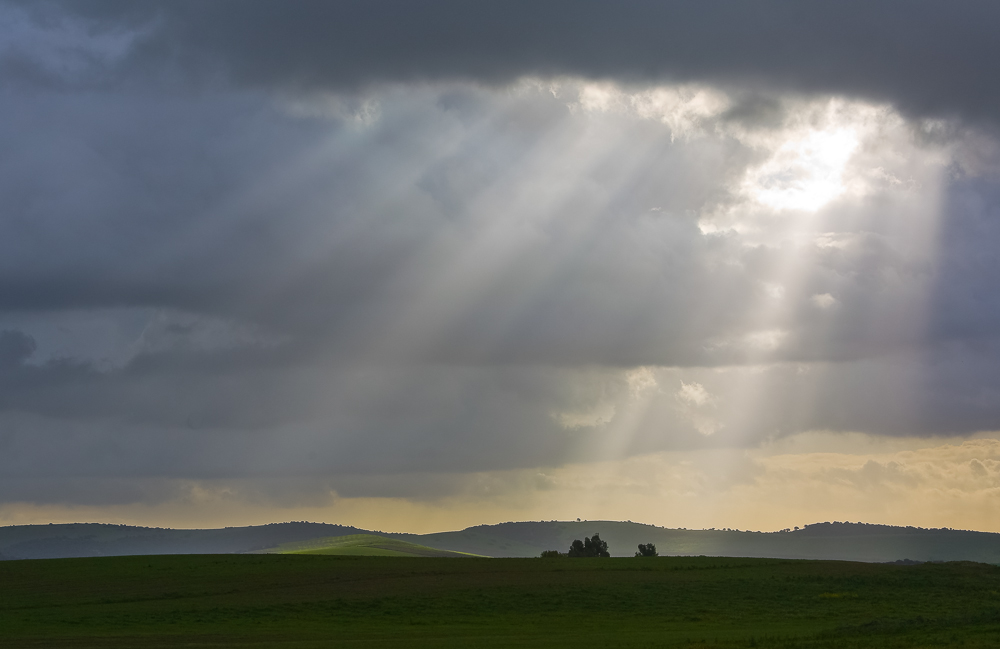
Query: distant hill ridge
(838, 540)
(844, 541)
(102, 539)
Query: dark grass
(336, 601)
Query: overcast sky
(424, 265)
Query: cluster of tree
(589, 547)
(647, 550)
(595, 547)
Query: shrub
(647, 550)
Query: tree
(589, 547)
(647, 550)
(550, 554)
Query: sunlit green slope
(366, 545)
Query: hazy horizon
(597, 522)
(431, 265)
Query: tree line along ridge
(594, 546)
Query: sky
(420, 266)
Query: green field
(352, 601)
(362, 545)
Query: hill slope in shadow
(99, 539)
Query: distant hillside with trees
(837, 540)
(828, 540)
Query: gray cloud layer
(928, 58)
(237, 240)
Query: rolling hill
(367, 545)
(843, 541)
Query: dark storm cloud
(301, 226)
(967, 304)
(15, 347)
(928, 58)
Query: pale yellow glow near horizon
(803, 479)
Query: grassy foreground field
(348, 601)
